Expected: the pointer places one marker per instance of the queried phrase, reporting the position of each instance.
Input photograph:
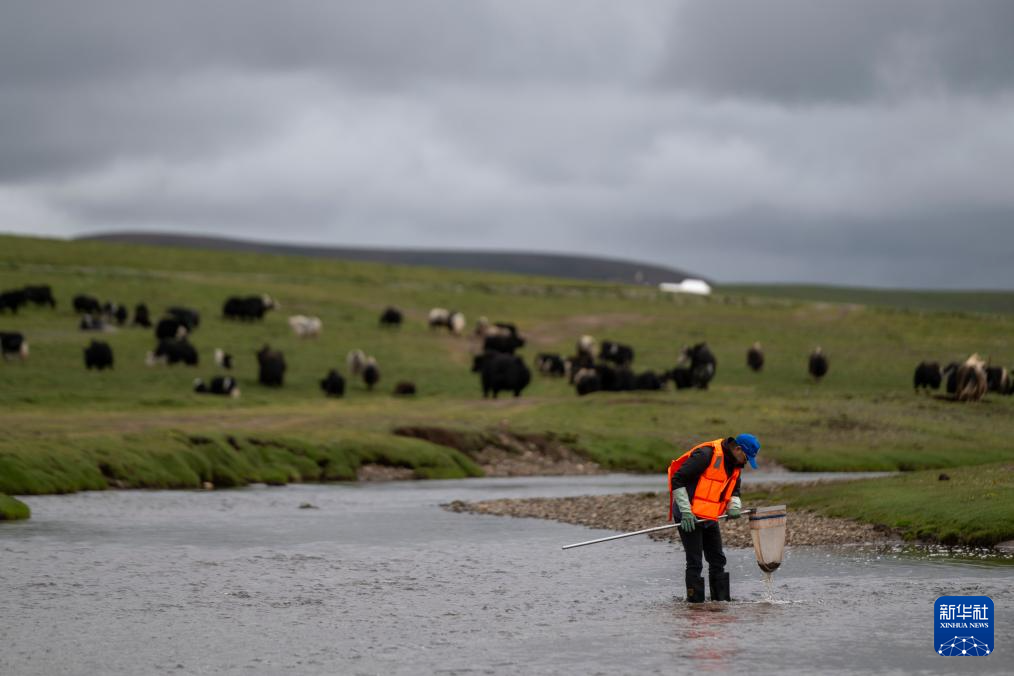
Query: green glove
(682, 500)
(735, 508)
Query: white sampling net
(767, 527)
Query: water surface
(378, 579)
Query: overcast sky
(868, 142)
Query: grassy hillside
(864, 414)
(558, 265)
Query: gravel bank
(630, 512)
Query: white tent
(695, 286)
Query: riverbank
(12, 509)
(630, 512)
(967, 506)
(962, 506)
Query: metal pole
(642, 532)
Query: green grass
(12, 509)
(995, 302)
(70, 429)
(174, 459)
(974, 508)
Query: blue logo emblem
(963, 626)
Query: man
(703, 485)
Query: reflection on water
(711, 640)
(380, 579)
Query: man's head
(746, 449)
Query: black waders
(719, 583)
(695, 589)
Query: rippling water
(380, 580)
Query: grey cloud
(62, 130)
(744, 140)
(795, 50)
(390, 43)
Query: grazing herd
(969, 380)
(173, 330)
(593, 367)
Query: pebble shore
(636, 511)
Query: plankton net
(767, 528)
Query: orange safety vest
(714, 488)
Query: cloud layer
(856, 143)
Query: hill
(522, 263)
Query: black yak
(333, 384)
(404, 388)
(173, 351)
(701, 363)
(141, 316)
(617, 353)
(755, 357)
(371, 373)
(501, 372)
(550, 364)
(818, 364)
(586, 381)
(248, 308)
(98, 355)
(271, 363)
(391, 316)
(40, 294)
(928, 376)
(13, 345)
(87, 304)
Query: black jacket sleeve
(692, 469)
(739, 480)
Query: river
(378, 579)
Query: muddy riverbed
(379, 579)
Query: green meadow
(68, 429)
(969, 506)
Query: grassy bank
(12, 509)
(69, 429)
(974, 507)
(176, 459)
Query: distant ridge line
(588, 268)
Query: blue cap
(750, 446)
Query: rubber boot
(719, 583)
(695, 590)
